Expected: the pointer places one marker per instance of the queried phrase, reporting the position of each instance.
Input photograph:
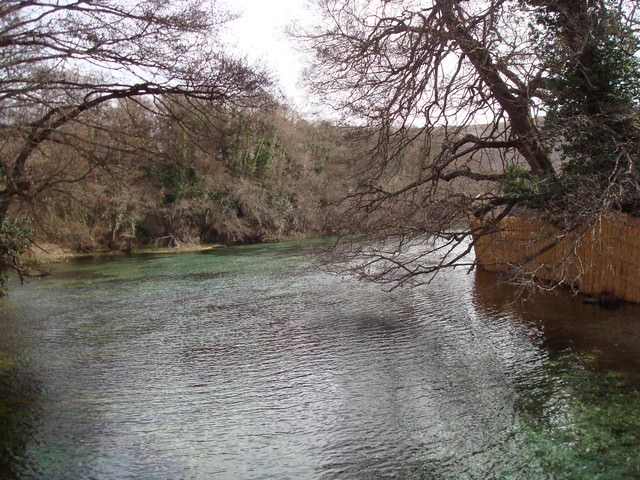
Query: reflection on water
(567, 323)
(249, 363)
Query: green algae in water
(18, 394)
(7, 362)
(576, 423)
(143, 363)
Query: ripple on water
(248, 366)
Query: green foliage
(176, 179)
(593, 88)
(589, 50)
(525, 188)
(266, 151)
(15, 237)
(253, 152)
(518, 183)
(579, 421)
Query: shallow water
(251, 362)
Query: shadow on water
(578, 412)
(19, 395)
(564, 322)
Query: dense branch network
(456, 94)
(61, 60)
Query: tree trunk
(527, 137)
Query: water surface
(251, 363)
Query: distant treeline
(197, 175)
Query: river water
(253, 363)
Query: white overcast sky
(260, 35)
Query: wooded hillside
(199, 176)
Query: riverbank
(40, 253)
(43, 253)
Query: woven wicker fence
(599, 259)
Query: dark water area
(253, 363)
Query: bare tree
(65, 63)
(456, 93)
(61, 60)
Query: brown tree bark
(517, 107)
